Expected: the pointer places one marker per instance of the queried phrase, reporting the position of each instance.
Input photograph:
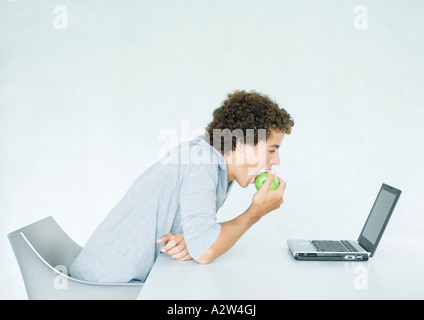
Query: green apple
(260, 179)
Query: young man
(172, 206)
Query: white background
(81, 109)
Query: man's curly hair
(245, 113)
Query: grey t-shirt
(182, 192)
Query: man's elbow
(206, 258)
(202, 260)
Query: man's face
(250, 160)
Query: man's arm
(264, 201)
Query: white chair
(44, 253)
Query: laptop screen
(378, 217)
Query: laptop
(350, 250)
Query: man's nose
(275, 160)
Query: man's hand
(176, 246)
(267, 200)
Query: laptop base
(323, 257)
(306, 250)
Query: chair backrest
(50, 242)
(44, 253)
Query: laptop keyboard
(333, 246)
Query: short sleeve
(198, 207)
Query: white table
(253, 270)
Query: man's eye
(271, 151)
